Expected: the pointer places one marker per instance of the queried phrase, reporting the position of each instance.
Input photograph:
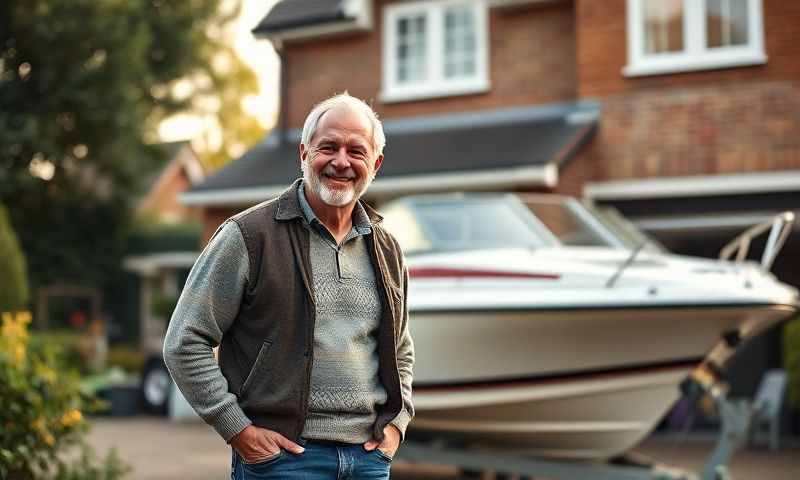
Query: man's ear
(378, 163)
(303, 153)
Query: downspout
(283, 115)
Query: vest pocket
(259, 367)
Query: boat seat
(767, 406)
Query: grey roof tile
(288, 14)
(430, 145)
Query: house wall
(531, 60)
(162, 199)
(742, 119)
(213, 218)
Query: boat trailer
(735, 416)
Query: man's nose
(340, 159)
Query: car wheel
(156, 384)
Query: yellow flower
(41, 427)
(38, 425)
(14, 334)
(71, 418)
(47, 373)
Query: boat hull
(565, 383)
(598, 416)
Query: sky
(261, 57)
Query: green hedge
(150, 236)
(13, 274)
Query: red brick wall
(531, 60)
(722, 121)
(717, 128)
(602, 53)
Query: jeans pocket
(382, 455)
(263, 462)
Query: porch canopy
(511, 149)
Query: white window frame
(695, 56)
(436, 85)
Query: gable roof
(294, 13)
(287, 15)
(299, 19)
(500, 149)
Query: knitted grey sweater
(345, 389)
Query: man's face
(340, 162)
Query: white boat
(546, 327)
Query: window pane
(411, 52)
(459, 42)
(726, 23)
(663, 25)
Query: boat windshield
(627, 232)
(456, 222)
(572, 224)
(474, 222)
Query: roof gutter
(694, 186)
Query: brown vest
(266, 354)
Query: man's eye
(326, 148)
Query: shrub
(163, 306)
(64, 344)
(791, 360)
(127, 358)
(41, 414)
(13, 275)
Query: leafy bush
(41, 414)
(791, 360)
(163, 306)
(127, 358)
(13, 275)
(64, 344)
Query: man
(306, 297)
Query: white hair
(344, 100)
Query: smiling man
(305, 295)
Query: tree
(13, 276)
(83, 86)
(216, 95)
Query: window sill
(408, 95)
(692, 65)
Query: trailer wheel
(156, 384)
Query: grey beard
(333, 197)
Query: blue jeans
(319, 461)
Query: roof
(498, 149)
(291, 14)
(299, 18)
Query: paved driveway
(160, 450)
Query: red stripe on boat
(561, 378)
(421, 272)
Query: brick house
(683, 114)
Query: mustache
(332, 172)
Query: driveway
(160, 450)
